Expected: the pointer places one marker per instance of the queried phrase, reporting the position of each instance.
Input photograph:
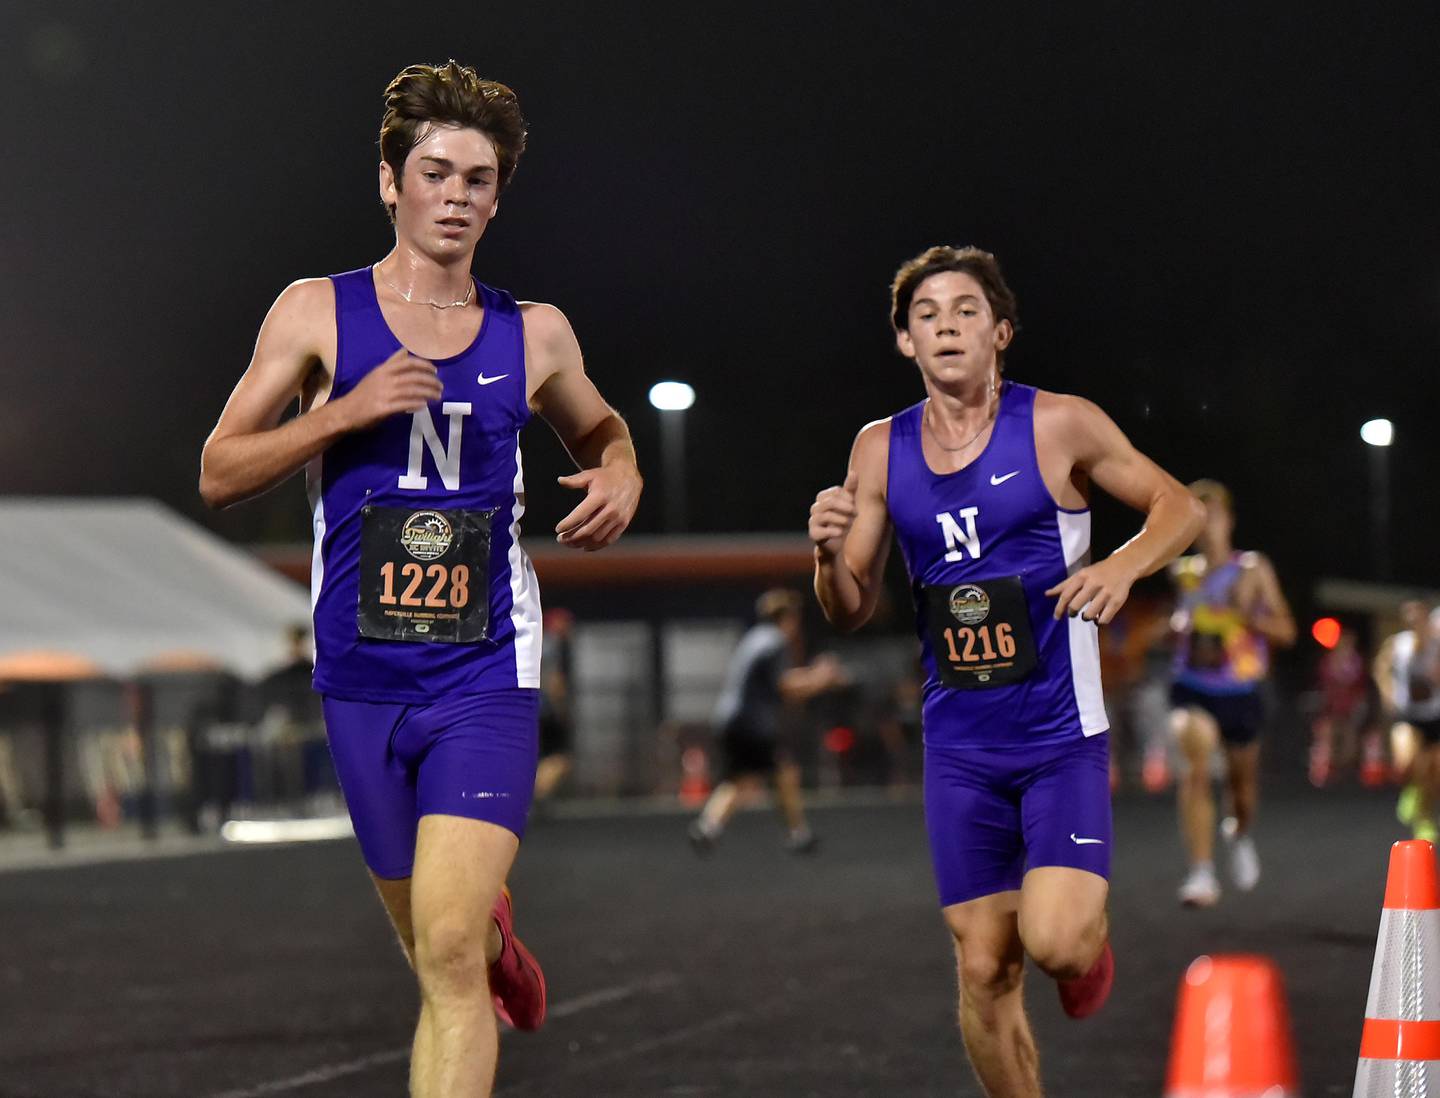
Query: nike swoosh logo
(1001, 480)
(1082, 842)
(483, 380)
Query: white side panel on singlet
(524, 592)
(1084, 635)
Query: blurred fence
(656, 622)
(194, 750)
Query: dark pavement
(271, 971)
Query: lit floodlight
(672, 396)
(1378, 432)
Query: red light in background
(839, 740)
(1326, 632)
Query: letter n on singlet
(447, 457)
(959, 541)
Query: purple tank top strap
(359, 327)
(905, 457)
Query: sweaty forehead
(948, 286)
(463, 146)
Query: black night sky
(1222, 221)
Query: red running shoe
(1086, 994)
(516, 982)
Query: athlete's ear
(904, 342)
(389, 193)
(1004, 333)
(494, 209)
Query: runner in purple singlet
(985, 484)
(414, 380)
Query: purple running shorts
(469, 755)
(993, 814)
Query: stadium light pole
(1379, 434)
(673, 399)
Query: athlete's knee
(1195, 779)
(1194, 739)
(450, 958)
(987, 973)
(1062, 948)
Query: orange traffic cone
(694, 777)
(1232, 1032)
(1400, 1045)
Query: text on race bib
(424, 575)
(980, 632)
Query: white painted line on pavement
(563, 1009)
(320, 1075)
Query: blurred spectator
(12, 803)
(556, 729)
(1343, 685)
(1407, 673)
(291, 732)
(1137, 686)
(763, 676)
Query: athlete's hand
(612, 492)
(1096, 592)
(832, 514)
(402, 383)
(830, 671)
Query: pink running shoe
(516, 982)
(1086, 994)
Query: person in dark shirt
(761, 679)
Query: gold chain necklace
(989, 419)
(469, 293)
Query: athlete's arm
(593, 432)
(800, 684)
(850, 526)
(1266, 610)
(1383, 669)
(1096, 447)
(249, 451)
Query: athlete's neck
(1216, 551)
(965, 402)
(420, 278)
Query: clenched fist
(402, 383)
(832, 514)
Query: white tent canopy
(127, 584)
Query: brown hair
(777, 602)
(978, 264)
(1207, 490)
(423, 96)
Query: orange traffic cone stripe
(1392, 1039)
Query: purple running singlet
(1016, 757)
(427, 612)
(983, 536)
(461, 453)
